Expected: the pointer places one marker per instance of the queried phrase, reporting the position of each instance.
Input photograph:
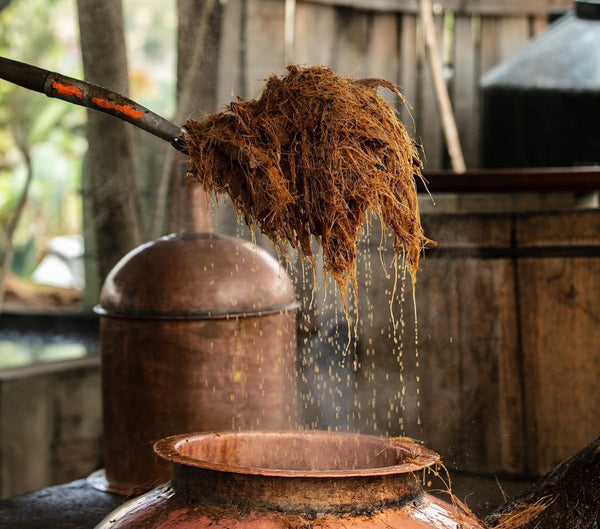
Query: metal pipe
(92, 96)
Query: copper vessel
(291, 480)
(197, 333)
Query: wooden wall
(51, 424)
(382, 38)
(508, 373)
(506, 376)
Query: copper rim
(412, 456)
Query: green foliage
(43, 33)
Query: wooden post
(441, 90)
(196, 74)
(110, 165)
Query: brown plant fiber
(315, 154)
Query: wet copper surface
(328, 480)
(196, 334)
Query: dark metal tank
(541, 107)
(197, 333)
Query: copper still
(291, 479)
(197, 333)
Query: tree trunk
(14, 223)
(109, 169)
(4, 4)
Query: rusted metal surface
(196, 334)
(197, 277)
(291, 479)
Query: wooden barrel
(508, 363)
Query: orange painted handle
(98, 98)
(91, 96)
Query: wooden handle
(92, 96)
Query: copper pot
(197, 334)
(290, 480)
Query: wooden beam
(514, 180)
(483, 7)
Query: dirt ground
(19, 293)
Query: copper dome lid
(199, 277)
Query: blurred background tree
(53, 133)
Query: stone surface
(74, 505)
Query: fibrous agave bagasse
(315, 154)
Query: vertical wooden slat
(314, 41)
(265, 44)
(382, 54)
(486, 336)
(408, 68)
(27, 424)
(352, 38)
(561, 332)
(513, 35)
(440, 367)
(428, 117)
(230, 81)
(539, 24)
(468, 346)
(252, 49)
(507, 344)
(489, 46)
(229, 78)
(465, 90)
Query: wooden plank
(27, 426)
(487, 7)
(489, 47)
(564, 229)
(352, 39)
(509, 439)
(500, 38)
(408, 68)
(229, 80)
(469, 397)
(539, 24)
(314, 41)
(471, 404)
(254, 31)
(560, 336)
(264, 42)
(78, 425)
(465, 90)
(487, 338)
(382, 54)
(561, 332)
(429, 123)
(440, 351)
(200, 71)
(513, 35)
